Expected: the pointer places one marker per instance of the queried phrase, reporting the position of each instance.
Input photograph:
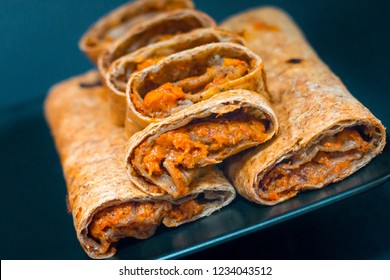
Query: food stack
(176, 100)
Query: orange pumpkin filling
(333, 156)
(163, 98)
(148, 62)
(138, 220)
(185, 211)
(160, 101)
(196, 145)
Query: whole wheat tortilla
(121, 69)
(227, 102)
(92, 153)
(181, 65)
(115, 24)
(311, 103)
(158, 28)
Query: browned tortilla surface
(120, 70)
(325, 133)
(181, 80)
(226, 124)
(106, 206)
(102, 34)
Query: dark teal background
(38, 48)
(39, 41)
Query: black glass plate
(32, 179)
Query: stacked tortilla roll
(188, 77)
(199, 106)
(195, 99)
(192, 96)
(143, 38)
(172, 153)
(156, 29)
(117, 23)
(325, 133)
(120, 70)
(127, 184)
(105, 204)
(134, 26)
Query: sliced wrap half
(106, 206)
(168, 156)
(116, 24)
(159, 28)
(325, 133)
(188, 77)
(120, 70)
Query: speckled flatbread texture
(151, 31)
(92, 152)
(222, 103)
(121, 68)
(166, 70)
(309, 100)
(120, 20)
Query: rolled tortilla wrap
(106, 206)
(168, 156)
(121, 69)
(115, 24)
(159, 28)
(325, 133)
(185, 78)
